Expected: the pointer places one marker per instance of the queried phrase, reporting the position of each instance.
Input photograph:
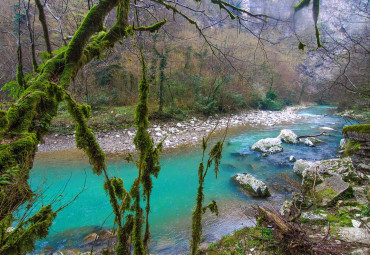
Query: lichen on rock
(251, 185)
(288, 136)
(268, 145)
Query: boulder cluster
(274, 145)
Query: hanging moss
(123, 236)
(302, 4)
(23, 126)
(138, 219)
(85, 139)
(215, 156)
(153, 28)
(301, 45)
(148, 163)
(22, 239)
(315, 15)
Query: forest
(100, 99)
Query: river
(62, 175)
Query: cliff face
(359, 138)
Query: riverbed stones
(179, 133)
(310, 216)
(268, 145)
(318, 171)
(360, 194)
(301, 201)
(331, 189)
(286, 208)
(359, 235)
(301, 165)
(251, 185)
(356, 223)
(67, 252)
(288, 136)
(327, 128)
(308, 142)
(360, 139)
(90, 238)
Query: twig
(314, 182)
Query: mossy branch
(153, 28)
(301, 5)
(44, 25)
(85, 139)
(315, 16)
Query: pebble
(179, 133)
(356, 223)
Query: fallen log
(306, 136)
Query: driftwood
(306, 136)
(293, 238)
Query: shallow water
(174, 191)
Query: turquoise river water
(174, 191)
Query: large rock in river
(331, 189)
(301, 165)
(268, 145)
(288, 136)
(253, 186)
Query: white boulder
(342, 144)
(288, 136)
(268, 145)
(308, 142)
(301, 165)
(252, 185)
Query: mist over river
(173, 196)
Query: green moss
(241, 241)
(302, 4)
(153, 28)
(3, 122)
(364, 128)
(333, 218)
(85, 139)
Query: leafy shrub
(98, 100)
(272, 105)
(13, 88)
(271, 102)
(206, 106)
(239, 100)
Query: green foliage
(241, 242)
(105, 75)
(85, 139)
(212, 206)
(9, 175)
(215, 156)
(14, 89)
(148, 165)
(364, 128)
(301, 45)
(21, 240)
(97, 100)
(271, 95)
(271, 102)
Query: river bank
(174, 193)
(176, 134)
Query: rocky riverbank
(176, 134)
(328, 214)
